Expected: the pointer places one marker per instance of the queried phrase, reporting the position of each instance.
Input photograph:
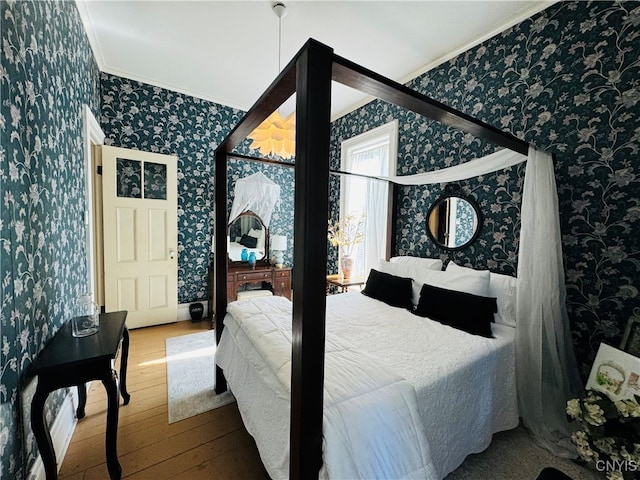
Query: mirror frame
(454, 190)
(262, 261)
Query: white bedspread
(464, 386)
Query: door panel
(140, 235)
(126, 232)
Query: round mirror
(247, 234)
(453, 222)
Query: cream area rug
(191, 375)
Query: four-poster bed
(309, 75)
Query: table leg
(123, 366)
(113, 403)
(41, 432)
(82, 400)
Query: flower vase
(346, 265)
(252, 260)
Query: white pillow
(396, 269)
(476, 283)
(419, 262)
(481, 276)
(504, 288)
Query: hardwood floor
(211, 445)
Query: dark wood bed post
(313, 102)
(220, 256)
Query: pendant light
(277, 134)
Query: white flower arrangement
(609, 433)
(347, 233)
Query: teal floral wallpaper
(143, 117)
(47, 74)
(568, 81)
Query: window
(373, 153)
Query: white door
(140, 235)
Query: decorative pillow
(259, 234)
(405, 271)
(390, 289)
(504, 288)
(464, 311)
(460, 281)
(248, 241)
(418, 262)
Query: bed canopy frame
(309, 75)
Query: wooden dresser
(278, 280)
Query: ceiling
(227, 51)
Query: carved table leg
(82, 400)
(41, 431)
(123, 366)
(113, 402)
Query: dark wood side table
(69, 361)
(343, 284)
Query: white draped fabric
(545, 364)
(257, 193)
(473, 168)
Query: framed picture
(631, 338)
(615, 373)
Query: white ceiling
(227, 51)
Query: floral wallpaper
(139, 116)
(464, 223)
(568, 81)
(47, 74)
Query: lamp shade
(278, 242)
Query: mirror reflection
(247, 234)
(453, 222)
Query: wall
(139, 116)
(568, 81)
(48, 73)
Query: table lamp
(278, 246)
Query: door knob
(172, 253)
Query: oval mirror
(453, 222)
(247, 232)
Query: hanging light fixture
(277, 134)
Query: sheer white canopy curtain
(546, 369)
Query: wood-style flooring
(213, 445)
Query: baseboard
(183, 310)
(61, 433)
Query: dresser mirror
(454, 220)
(248, 233)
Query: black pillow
(249, 241)
(392, 290)
(464, 311)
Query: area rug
(191, 376)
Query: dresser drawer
(283, 273)
(252, 276)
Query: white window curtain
(546, 370)
(370, 197)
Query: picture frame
(615, 373)
(631, 339)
